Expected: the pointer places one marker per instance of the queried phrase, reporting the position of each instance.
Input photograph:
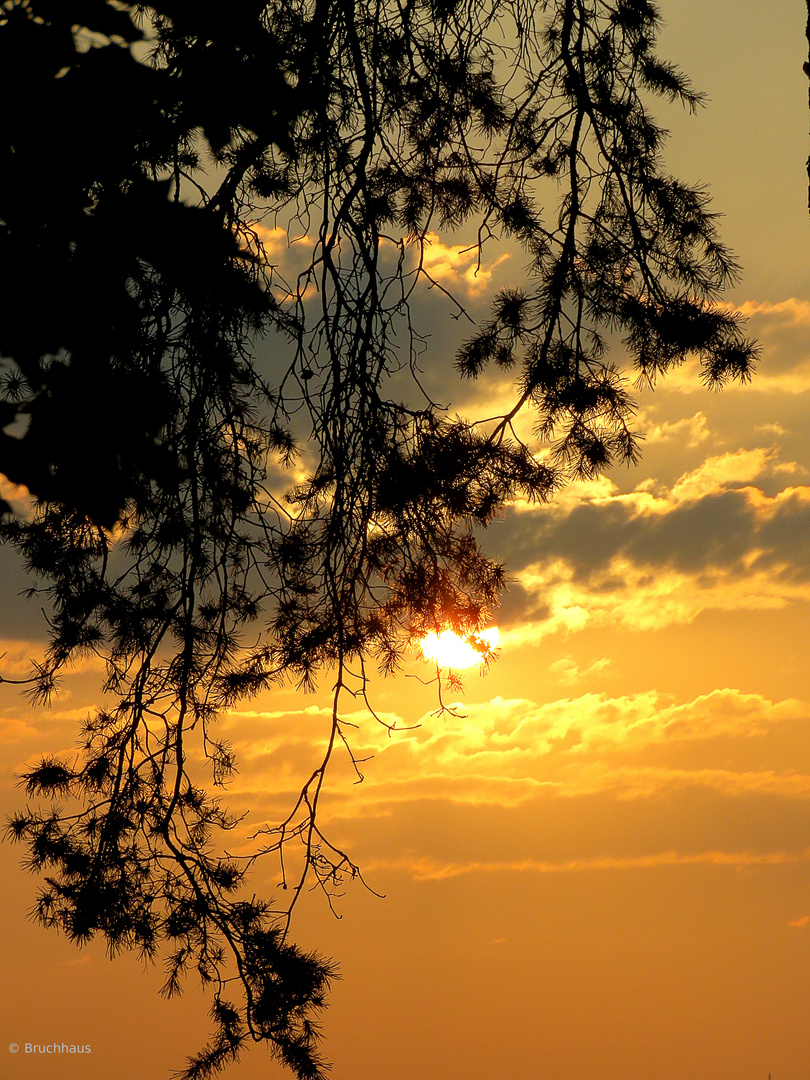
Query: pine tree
(145, 151)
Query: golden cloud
(640, 601)
(719, 473)
(17, 656)
(792, 311)
(690, 430)
(458, 265)
(276, 242)
(15, 493)
(505, 752)
(647, 558)
(423, 868)
(567, 670)
(781, 328)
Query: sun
(449, 650)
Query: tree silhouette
(146, 151)
(806, 68)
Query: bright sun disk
(449, 650)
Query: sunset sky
(598, 868)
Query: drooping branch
(806, 67)
(168, 538)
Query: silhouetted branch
(174, 377)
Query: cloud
(790, 312)
(585, 782)
(691, 430)
(644, 822)
(781, 327)
(16, 494)
(721, 472)
(647, 782)
(576, 726)
(430, 869)
(567, 670)
(727, 535)
(277, 242)
(774, 428)
(635, 598)
(289, 256)
(507, 751)
(458, 265)
(17, 657)
(460, 268)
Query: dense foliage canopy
(173, 380)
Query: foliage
(148, 147)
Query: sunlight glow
(448, 650)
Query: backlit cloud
(504, 751)
(459, 265)
(566, 670)
(691, 430)
(791, 312)
(720, 473)
(783, 330)
(727, 535)
(427, 869)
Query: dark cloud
(20, 618)
(548, 830)
(724, 530)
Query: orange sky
(601, 870)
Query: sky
(598, 868)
